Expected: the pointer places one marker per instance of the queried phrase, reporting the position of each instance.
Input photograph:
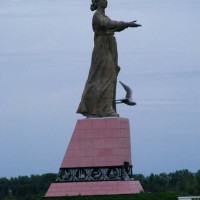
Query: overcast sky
(45, 54)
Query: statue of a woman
(98, 99)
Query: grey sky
(45, 53)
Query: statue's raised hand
(134, 24)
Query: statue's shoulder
(98, 16)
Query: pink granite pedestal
(97, 143)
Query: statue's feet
(111, 114)
(114, 114)
(91, 116)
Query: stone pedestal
(97, 160)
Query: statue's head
(98, 3)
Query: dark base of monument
(88, 174)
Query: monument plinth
(97, 160)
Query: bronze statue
(98, 99)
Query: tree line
(24, 187)
(178, 181)
(35, 186)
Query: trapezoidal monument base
(97, 160)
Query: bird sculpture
(128, 98)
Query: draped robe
(98, 98)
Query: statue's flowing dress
(98, 99)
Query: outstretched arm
(116, 26)
(124, 25)
(105, 23)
